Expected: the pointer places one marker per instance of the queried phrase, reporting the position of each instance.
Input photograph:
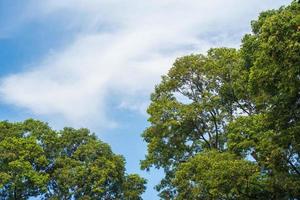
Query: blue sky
(94, 63)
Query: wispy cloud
(120, 48)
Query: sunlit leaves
(69, 164)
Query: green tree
(68, 164)
(272, 136)
(233, 108)
(190, 109)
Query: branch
(201, 135)
(216, 128)
(294, 167)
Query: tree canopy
(226, 125)
(36, 161)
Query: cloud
(121, 48)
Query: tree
(233, 108)
(191, 108)
(68, 164)
(272, 53)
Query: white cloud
(123, 47)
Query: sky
(94, 63)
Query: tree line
(224, 125)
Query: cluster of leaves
(68, 164)
(226, 125)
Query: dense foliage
(226, 125)
(68, 164)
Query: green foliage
(134, 185)
(226, 125)
(214, 175)
(22, 163)
(190, 109)
(68, 164)
(273, 152)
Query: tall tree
(191, 108)
(233, 108)
(272, 52)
